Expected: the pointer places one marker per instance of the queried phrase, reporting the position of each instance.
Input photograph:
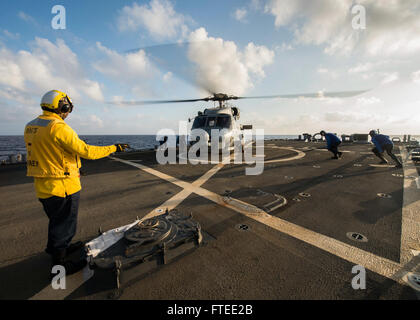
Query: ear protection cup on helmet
(65, 108)
(65, 105)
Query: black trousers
(334, 148)
(388, 148)
(62, 213)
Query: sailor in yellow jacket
(53, 159)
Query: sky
(113, 51)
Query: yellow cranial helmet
(51, 100)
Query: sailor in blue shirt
(332, 144)
(383, 143)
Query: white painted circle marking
(346, 151)
(398, 175)
(382, 165)
(299, 155)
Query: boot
(74, 247)
(59, 258)
(340, 154)
(398, 164)
(70, 249)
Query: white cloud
(240, 14)
(158, 17)
(257, 57)
(26, 17)
(415, 76)
(390, 77)
(349, 117)
(11, 35)
(167, 76)
(366, 120)
(96, 121)
(133, 69)
(22, 97)
(88, 123)
(123, 67)
(383, 71)
(222, 67)
(320, 21)
(93, 89)
(284, 47)
(256, 4)
(117, 99)
(364, 101)
(48, 66)
(325, 71)
(283, 11)
(10, 72)
(392, 27)
(360, 68)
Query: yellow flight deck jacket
(53, 155)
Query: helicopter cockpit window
(199, 122)
(211, 122)
(223, 122)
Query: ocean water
(12, 145)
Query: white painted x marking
(385, 267)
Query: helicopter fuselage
(222, 121)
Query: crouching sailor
(332, 144)
(383, 143)
(53, 159)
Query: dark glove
(121, 147)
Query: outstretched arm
(68, 139)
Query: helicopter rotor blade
(147, 102)
(341, 94)
(224, 97)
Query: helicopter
(225, 117)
